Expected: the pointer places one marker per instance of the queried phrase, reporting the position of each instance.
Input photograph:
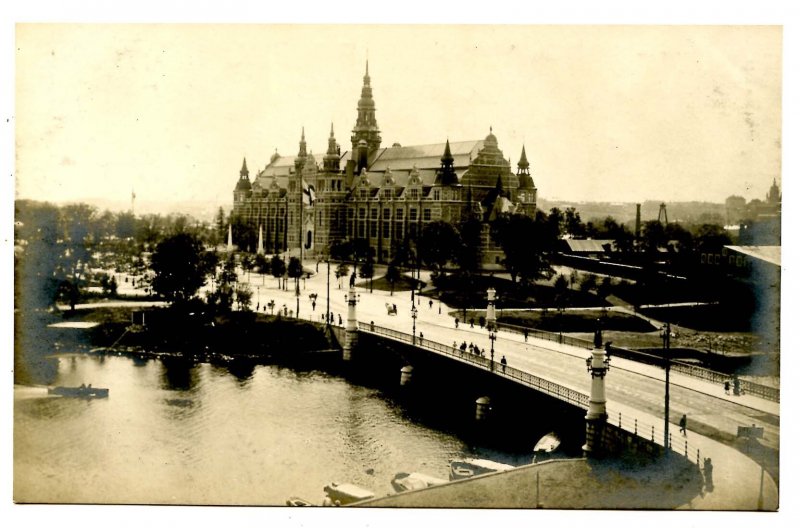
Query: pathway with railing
(631, 424)
(746, 386)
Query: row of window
(387, 214)
(717, 259)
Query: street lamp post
(492, 338)
(328, 295)
(413, 325)
(297, 298)
(665, 337)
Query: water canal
(178, 432)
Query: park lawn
(403, 284)
(469, 291)
(568, 322)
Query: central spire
(366, 125)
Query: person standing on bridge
(503, 362)
(420, 339)
(683, 424)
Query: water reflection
(178, 374)
(242, 369)
(178, 432)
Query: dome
(491, 139)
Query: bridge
(557, 367)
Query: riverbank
(664, 484)
(167, 333)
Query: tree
(470, 254)
(653, 236)
(178, 267)
(367, 270)
(295, 269)
(342, 270)
(572, 223)
(392, 275)
(244, 296)
(277, 268)
(125, 226)
(220, 226)
(556, 220)
(525, 242)
(438, 244)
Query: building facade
(382, 194)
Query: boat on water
(412, 481)
(84, 391)
(471, 467)
(341, 494)
(546, 447)
(297, 501)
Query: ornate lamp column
(597, 366)
(351, 330)
(413, 325)
(492, 338)
(491, 318)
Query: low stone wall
(617, 442)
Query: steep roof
(424, 156)
(771, 254)
(576, 245)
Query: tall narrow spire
(243, 185)
(302, 151)
(524, 173)
(330, 162)
(366, 125)
(300, 160)
(446, 175)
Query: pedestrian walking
(430, 303)
(454, 347)
(471, 349)
(456, 323)
(420, 338)
(340, 319)
(683, 424)
(504, 363)
(727, 386)
(472, 322)
(525, 333)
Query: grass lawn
(570, 321)
(380, 283)
(463, 291)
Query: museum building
(381, 194)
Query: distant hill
(625, 212)
(203, 210)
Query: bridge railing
(548, 387)
(749, 387)
(678, 443)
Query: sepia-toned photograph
(398, 266)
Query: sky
(607, 113)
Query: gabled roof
(588, 246)
(425, 156)
(771, 254)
